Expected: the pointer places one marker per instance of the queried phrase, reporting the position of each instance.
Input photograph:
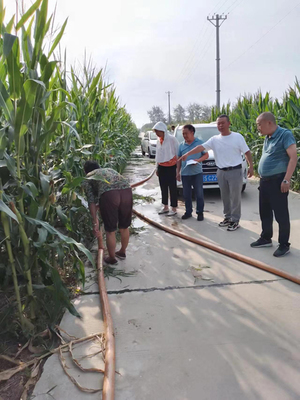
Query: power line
(231, 8)
(193, 52)
(204, 51)
(215, 7)
(190, 59)
(265, 34)
(223, 4)
(254, 44)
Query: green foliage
(243, 119)
(48, 128)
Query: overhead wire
(214, 8)
(186, 70)
(193, 52)
(204, 51)
(223, 4)
(231, 8)
(255, 43)
(265, 34)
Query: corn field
(51, 121)
(243, 119)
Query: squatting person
(228, 148)
(276, 167)
(166, 161)
(111, 193)
(191, 175)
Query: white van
(148, 144)
(205, 132)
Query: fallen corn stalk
(5, 375)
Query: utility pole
(169, 105)
(215, 20)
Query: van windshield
(203, 133)
(153, 136)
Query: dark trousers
(167, 181)
(195, 181)
(272, 200)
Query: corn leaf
(28, 14)
(5, 102)
(64, 238)
(10, 24)
(58, 38)
(4, 208)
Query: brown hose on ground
(109, 373)
(143, 181)
(211, 246)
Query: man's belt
(230, 168)
(271, 177)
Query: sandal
(111, 261)
(120, 255)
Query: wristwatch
(286, 182)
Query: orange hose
(143, 181)
(110, 360)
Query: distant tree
(205, 113)
(179, 114)
(156, 114)
(147, 127)
(193, 111)
(198, 112)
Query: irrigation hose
(108, 392)
(218, 249)
(144, 180)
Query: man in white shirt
(228, 148)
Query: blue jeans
(195, 181)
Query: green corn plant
(50, 123)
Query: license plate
(210, 178)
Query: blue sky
(154, 46)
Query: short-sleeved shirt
(105, 179)
(227, 149)
(194, 169)
(274, 159)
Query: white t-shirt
(228, 149)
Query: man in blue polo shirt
(190, 172)
(276, 167)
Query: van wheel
(244, 187)
(143, 153)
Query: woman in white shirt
(166, 161)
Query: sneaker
(163, 211)
(120, 255)
(171, 213)
(233, 226)
(200, 217)
(261, 242)
(186, 216)
(282, 250)
(225, 222)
